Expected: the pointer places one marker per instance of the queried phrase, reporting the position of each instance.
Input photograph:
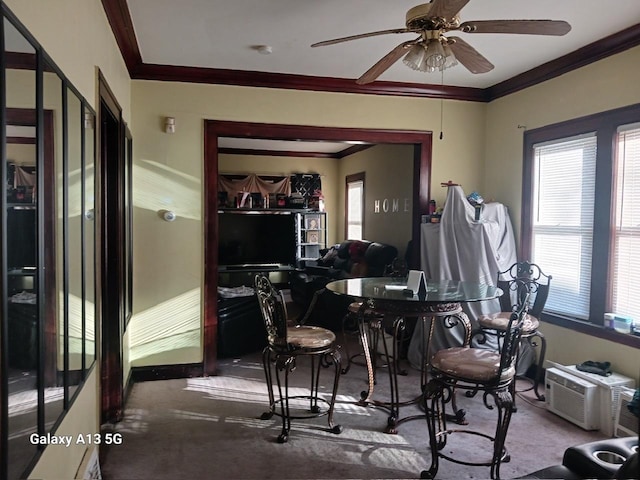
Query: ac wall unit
(573, 399)
(608, 390)
(626, 423)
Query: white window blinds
(563, 203)
(626, 271)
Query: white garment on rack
(462, 248)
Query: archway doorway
(214, 130)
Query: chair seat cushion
(309, 337)
(500, 321)
(472, 364)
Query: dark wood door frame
(110, 291)
(421, 140)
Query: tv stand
(258, 267)
(237, 275)
(240, 326)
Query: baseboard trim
(166, 372)
(127, 386)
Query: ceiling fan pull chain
(441, 104)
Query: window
(581, 214)
(626, 251)
(354, 215)
(562, 230)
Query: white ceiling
(224, 33)
(282, 145)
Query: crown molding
(119, 18)
(611, 45)
(247, 78)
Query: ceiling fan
(433, 51)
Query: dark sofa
(608, 458)
(349, 259)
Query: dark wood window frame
(605, 125)
(355, 177)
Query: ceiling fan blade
(469, 56)
(529, 27)
(362, 35)
(446, 9)
(385, 62)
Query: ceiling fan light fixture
(435, 55)
(416, 58)
(450, 58)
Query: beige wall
(481, 149)
(388, 177)
(608, 84)
(78, 38)
(168, 171)
(59, 461)
(272, 165)
(391, 227)
(21, 154)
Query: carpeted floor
(210, 428)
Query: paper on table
(395, 287)
(416, 281)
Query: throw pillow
(357, 250)
(330, 256)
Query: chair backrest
(273, 309)
(524, 278)
(514, 329)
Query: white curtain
(253, 184)
(23, 178)
(462, 248)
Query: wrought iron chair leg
(393, 385)
(336, 358)
(539, 367)
(504, 402)
(315, 381)
(436, 424)
(284, 401)
(266, 365)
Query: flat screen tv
(21, 238)
(256, 239)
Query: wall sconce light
(168, 215)
(170, 125)
(88, 121)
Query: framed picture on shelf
(313, 236)
(312, 222)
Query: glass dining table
(389, 297)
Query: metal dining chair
(286, 344)
(474, 370)
(537, 285)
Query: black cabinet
(240, 326)
(23, 332)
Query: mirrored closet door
(47, 259)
